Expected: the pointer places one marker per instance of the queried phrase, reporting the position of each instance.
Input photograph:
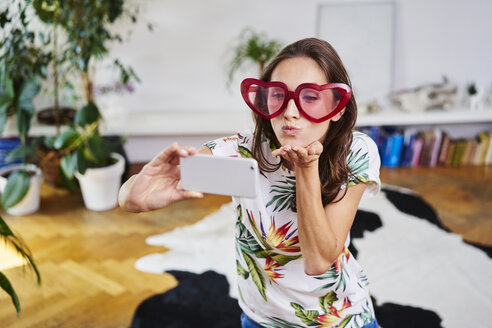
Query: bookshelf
(456, 137)
(437, 117)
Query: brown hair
(333, 168)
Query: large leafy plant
(87, 26)
(15, 242)
(22, 64)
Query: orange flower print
(333, 316)
(271, 269)
(281, 239)
(339, 262)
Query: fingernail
(183, 152)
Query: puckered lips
(290, 130)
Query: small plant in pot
(91, 160)
(22, 64)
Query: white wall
(183, 62)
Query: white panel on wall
(362, 34)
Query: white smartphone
(230, 176)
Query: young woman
(291, 240)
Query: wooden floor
(87, 258)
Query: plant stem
(55, 67)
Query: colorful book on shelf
(470, 157)
(429, 140)
(488, 157)
(393, 149)
(436, 147)
(458, 155)
(443, 152)
(408, 147)
(451, 151)
(484, 144)
(417, 149)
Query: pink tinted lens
(318, 104)
(266, 100)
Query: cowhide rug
(421, 274)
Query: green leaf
(6, 93)
(327, 300)
(81, 160)
(20, 152)
(308, 317)
(3, 117)
(65, 139)
(7, 287)
(87, 115)
(241, 271)
(17, 186)
(49, 142)
(4, 229)
(244, 152)
(284, 259)
(96, 149)
(29, 90)
(68, 165)
(23, 122)
(345, 321)
(256, 275)
(70, 184)
(257, 233)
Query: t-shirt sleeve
(226, 146)
(365, 163)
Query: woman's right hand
(158, 184)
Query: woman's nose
(291, 110)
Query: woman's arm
(322, 230)
(158, 184)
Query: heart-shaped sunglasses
(317, 103)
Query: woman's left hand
(300, 156)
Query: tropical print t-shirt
(274, 290)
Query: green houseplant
(22, 64)
(254, 48)
(87, 26)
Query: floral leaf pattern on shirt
(337, 274)
(276, 240)
(272, 269)
(244, 152)
(211, 144)
(284, 195)
(358, 162)
(256, 274)
(333, 314)
(242, 272)
(267, 241)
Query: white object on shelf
(436, 117)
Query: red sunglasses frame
(343, 89)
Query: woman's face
(290, 127)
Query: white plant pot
(100, 186)
(30, 203)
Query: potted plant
(12, 240)
(253, 47)
(84, 151)
(91, 159)
(22, 64)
